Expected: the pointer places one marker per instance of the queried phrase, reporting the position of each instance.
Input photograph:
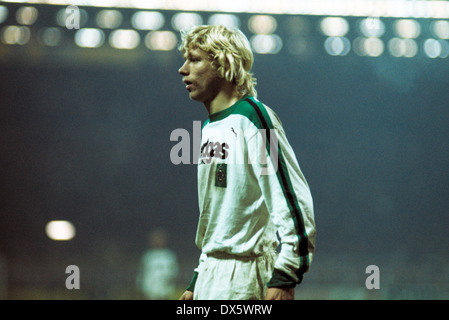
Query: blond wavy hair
(230, 53)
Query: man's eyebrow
(191, 56)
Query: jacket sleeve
(191, 286)
(288, 199)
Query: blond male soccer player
(250, 186)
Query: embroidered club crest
(220, 175)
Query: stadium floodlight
(60, 230)
(359, 8)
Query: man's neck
(223, 100)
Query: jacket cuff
(192, 283)
(280, 279)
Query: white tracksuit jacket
(250, 186)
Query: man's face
(200, 77)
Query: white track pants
(225, 277)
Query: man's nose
(183, 70)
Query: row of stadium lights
(370, 44)
(263, 41)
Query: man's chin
(194, 97)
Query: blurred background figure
(156, 278)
